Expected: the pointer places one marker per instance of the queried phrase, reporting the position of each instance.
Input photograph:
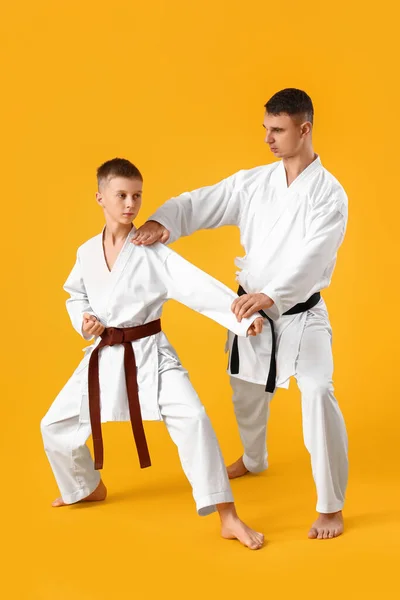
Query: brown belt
(110, 337)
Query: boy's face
(121, 199)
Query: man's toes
(331, 534)
(326, 534)
(338, 532)
(313, 533)
(320, 535)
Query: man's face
(121, 199)
(286, 135)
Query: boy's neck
(116, 232)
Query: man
(292, 216)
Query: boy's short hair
(117, 167)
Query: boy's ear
(99, 198)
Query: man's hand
(150, 233)
(256, 327)
(91, 326)
(248, 304)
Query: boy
(131, 372)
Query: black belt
(234, 358)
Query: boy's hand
(150, 233)
(256, 327)
(91, 326)
(248, 304)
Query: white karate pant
(324, 429)
(188, 426)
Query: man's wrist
(268, 301)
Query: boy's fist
(91, 326)
(256, 327)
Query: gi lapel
(284, 197)
(121, 262)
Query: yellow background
(178, 87)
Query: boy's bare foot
(99, 494)
(232, 528)
(327, 526)
(237, 469)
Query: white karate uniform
(132, 294)
(291, 236)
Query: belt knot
(113, 336)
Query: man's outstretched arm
(206, 208)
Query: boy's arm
(196, 289)
(78, 303)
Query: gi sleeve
(78, 302)
(194, 288)
(324, 235)
(205, 208)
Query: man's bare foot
(99, 494)
(232, 528)
(237, 469)
(327, 526)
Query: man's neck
(297, 164)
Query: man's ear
(99, 198)
(306, 128)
